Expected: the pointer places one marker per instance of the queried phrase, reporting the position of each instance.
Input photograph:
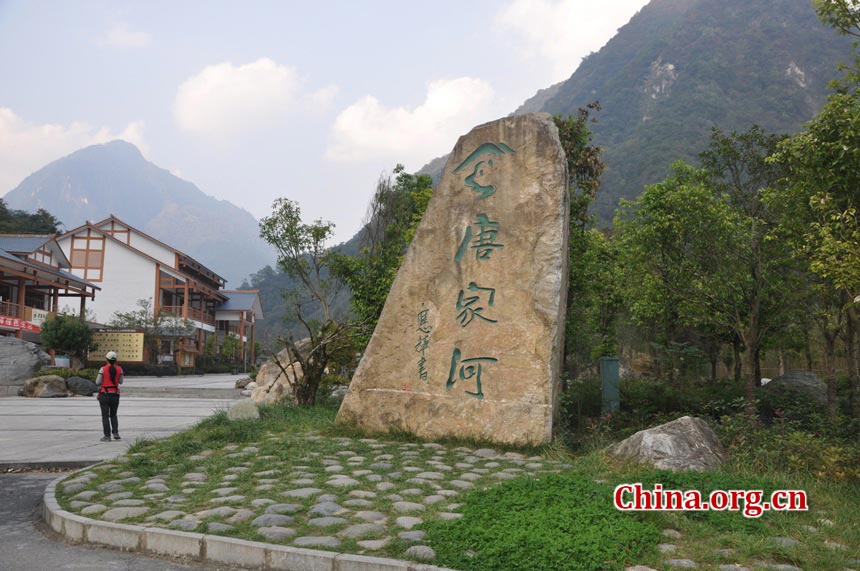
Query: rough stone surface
(361, 530)
(48, 386)
(686, 444)
(421, 552)
(272, 385)
(276, 533)
(496, 227)
(117, 514)
(682, 563)
(81, 386)
(242, 409)
(19, 360)
(268, 520)
(804, 385)
(316, 541)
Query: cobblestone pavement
(359, 496)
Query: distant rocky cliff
(114, 178)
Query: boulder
(19, 361)
(243, 382)
(243, 409)
(81, 386)
(274, 386)
(803, 386)
(49, 386)
(338, 392)
(686, 444)
(469, 342)
(269, 371)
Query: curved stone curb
(213, 548)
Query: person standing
(109, 379)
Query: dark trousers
(109, 402)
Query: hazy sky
(253, 100)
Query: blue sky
(255, 100)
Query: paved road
(185, 381)
(26, 544)
(66, 431)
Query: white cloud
(562, 32)
(26, 147)
(224, 100)
(119, 36)
(367, 129)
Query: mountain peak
(116, 148)
(115, 178)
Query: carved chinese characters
(469, 342)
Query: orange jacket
(108, 385)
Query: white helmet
(111, 356)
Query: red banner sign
(16, 323)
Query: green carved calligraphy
(484, 241)
(468, 306)
(467, 370)
(483, 191)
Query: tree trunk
(736, 348)
(851, 346)
(757, 361)
(750, 376)
(830, 365)
(781, 356)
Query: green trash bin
(610, 397)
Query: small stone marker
(469, 342)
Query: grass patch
(561, 522)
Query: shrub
(148, 370)
(785, 446)
(561, 522)
(90, 374)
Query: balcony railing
(228, 327)
(9, 309)
(193, 314)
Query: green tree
(821, 206)
(69, 334)
(591, 303)
(304, 255)
(20, 222)
(739, 170)
(230, 348)
(158, 329)
(703, 245)
(392, 218)
(672, 242)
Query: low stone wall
(211, 548)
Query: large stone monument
(469, 343)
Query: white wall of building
(164, 255)
(127, 278)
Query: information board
(128, 344)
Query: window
(88, 255)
